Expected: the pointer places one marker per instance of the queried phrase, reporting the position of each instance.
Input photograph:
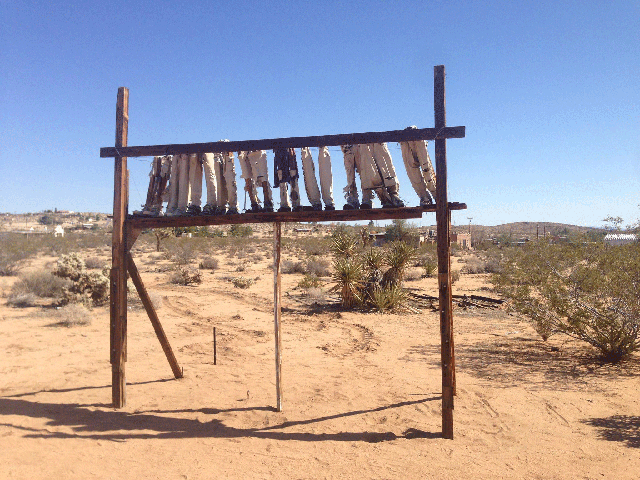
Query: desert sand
(361, 391)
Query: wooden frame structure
(126, 230)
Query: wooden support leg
(118, 287)
(153, 316)
(444, 259)
(277, 234)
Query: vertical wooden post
(277, 235)
(444, 259)
(118, 287)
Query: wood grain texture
(444, 250)
(277, 313)
(289, 142)
(118, 287)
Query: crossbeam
(284, 217)
(406, 135)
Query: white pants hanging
(258, 161)
(211, 178)
(178, 198)
(247, 174)
(353, 164)
(419, 168)
(229, 175)
(195, 179)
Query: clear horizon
(547, 92)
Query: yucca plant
(391, 297)
(399, 257)
(344, 244)
(349, 277)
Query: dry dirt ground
(361, 391)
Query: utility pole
(469, 218)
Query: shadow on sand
(618, 428)
(89, 421)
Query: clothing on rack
(415, 155)
(326, 178)
(285, 172)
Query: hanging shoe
(284, 208)
(232, 211)
(209, 210)
(366, 206)
(194, 210)
(426, 200)
(329, 208)
(268, 207)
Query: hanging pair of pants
(158, 178)
(378, 166)
(255, 173)
(247, 175)
(353, 164)
(258, 160)
(226, 176)
(285, 170)
(179, 185)
(326, 178)
(220, 179)
(195, 179)
(419, 169)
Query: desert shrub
(312, 245)
(40, 284)
(316, 293)
(72, 316)
(289, 266)
(584, 290)
(473, 265)
(94, 262)
(319, 267)
(182, 253)
(91, 288)
(398, 231)
(21, 299)
(242, 282)
(209, 263)
(386, 298)
(186, 276)
(455, 276)
(412, 276)
(309, 281)
(239, 230)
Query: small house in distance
(616, 239)
(58, 231)
(462, 239)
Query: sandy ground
(361, 392)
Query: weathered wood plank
(290, 142)
(444, 259)
(277, 288)
(153, 316)
(118, 290)
(284, 217)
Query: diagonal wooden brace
(153, 316)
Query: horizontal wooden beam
(323, 216)
(291, 142)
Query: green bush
(586, 290)
(240, 230)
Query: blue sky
(548, 92)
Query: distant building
(58, 231)
(616, 239)
(462, 239)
